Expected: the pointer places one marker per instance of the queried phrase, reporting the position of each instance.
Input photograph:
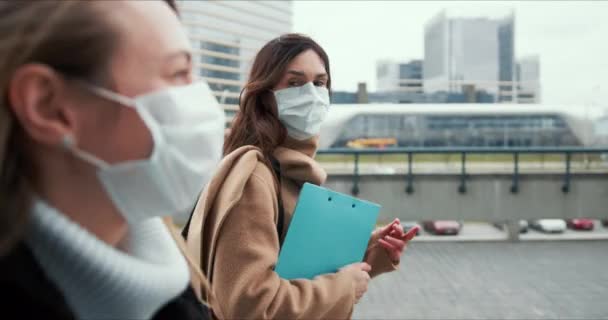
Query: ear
(37, 95)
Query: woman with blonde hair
(102, 133)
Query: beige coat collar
(297, 161)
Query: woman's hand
(361, 277)
(393, 239)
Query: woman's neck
(77, 193)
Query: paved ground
(494, 280)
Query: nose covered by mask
(302, 109)
(187, 127)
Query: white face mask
(302, 109)
(187, 126)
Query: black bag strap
(276, 167)
(187, 226)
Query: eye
(294, 83)
(320, 83)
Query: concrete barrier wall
(488, 196)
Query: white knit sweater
(99, 281)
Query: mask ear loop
(108, 94)
(69, 144)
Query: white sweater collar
(100, 281)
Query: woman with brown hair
(242, 216)
(102, 132)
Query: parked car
(581, 224)
(549, 225)
(409, 225)
(442, 227)
(523, 226)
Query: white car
(549, 225)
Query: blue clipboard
(328, 231)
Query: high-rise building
(410, 76)
(387, 75)
(460, 52)
(528, 77)
(394, 76)
(225, 37)
(506, 56)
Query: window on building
(219, 74)
(219, 48)
(222, 87)
(220, 61)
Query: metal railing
(410, 152)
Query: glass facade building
(506, 56)
(528, 76)
(225, 37)
(395, 76)
(461, 51)
(460, 130)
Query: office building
(225, 37)
(462, 51)
(528, 77)
(394, 76)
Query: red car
(580, 224)
(442, 227)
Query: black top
(26, 293)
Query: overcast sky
(571, 38)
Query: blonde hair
(74, 38)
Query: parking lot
(472, 231)
(493, 280)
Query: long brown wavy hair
(257, 122)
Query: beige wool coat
(233, 236)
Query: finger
(387, 245)
(396, 222)
(384, 231)
(365, 267)
(398, 230)
(393, 253)
(397, 243)
(352, 265)
(410, 234)
(396, 235)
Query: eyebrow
(302, 74)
